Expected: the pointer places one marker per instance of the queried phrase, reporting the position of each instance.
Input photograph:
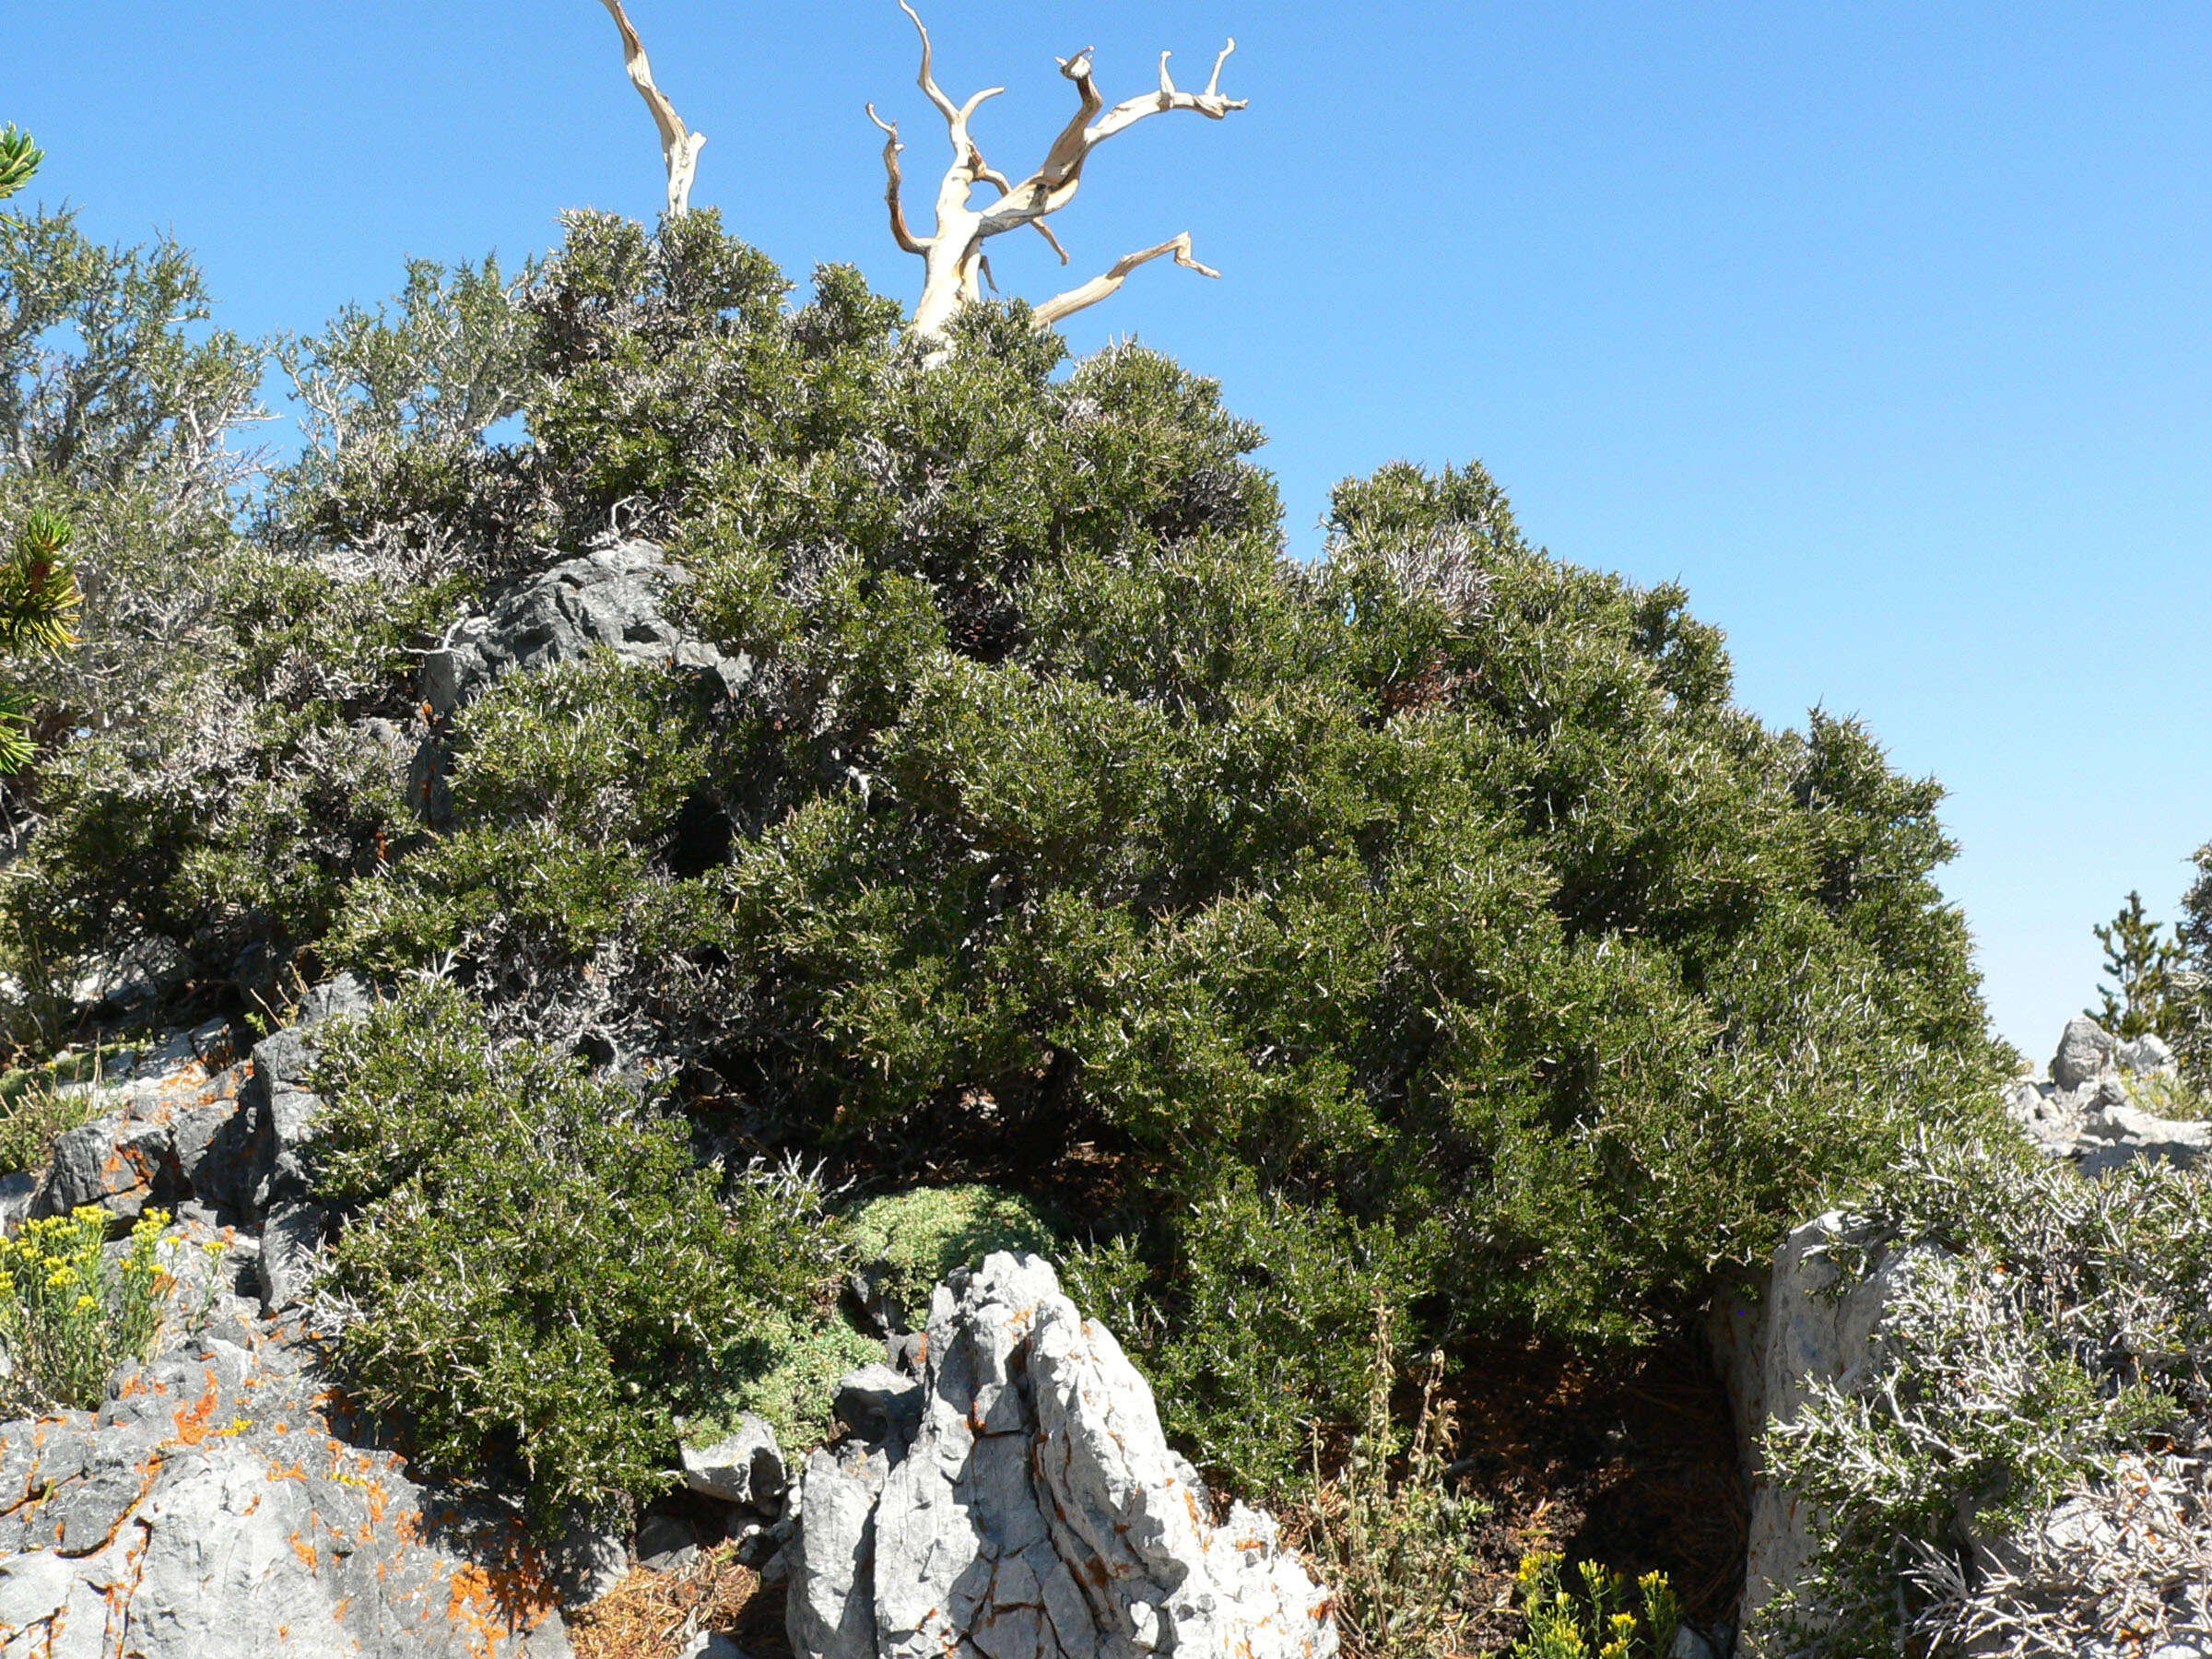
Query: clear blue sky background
(1887, 328)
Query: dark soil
(1630, 1462)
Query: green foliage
(1272, 1310)
(601, 751)
(910, 1241)
(1592, 1613)
(786, 1372)
(20, 159)
(68, 1316)
(35, 1112)
(523, 899)
(2193, 983)
(542, 1274)
(1424, 923)
(1393, 1541)
(2144, 998)
(38, 598)
(447, 358)
(2051, 1325)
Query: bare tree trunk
(680, 145)
(953, 262)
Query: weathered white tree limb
(680, 145)
(953, 266)
(1097, 288)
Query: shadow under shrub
(542, 1276)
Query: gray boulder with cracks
(1038, 1513)
(615, 598)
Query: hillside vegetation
(1422, 925)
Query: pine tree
(2144, 1000)
(38, 589)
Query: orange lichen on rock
(193, 1421)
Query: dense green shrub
(1424, 922)
(786, 1372)
(542, 1274)
(599, 750)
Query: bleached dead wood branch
(680, 145)
(953, 264)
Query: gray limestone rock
(289, 1242)
(285, 1107)
(831, 1611)
(214, 1509)
(666, 1543)
(2115, 1135)
(2084, 1054)
(1806, 1332)
(742, 1467)
(2146, 1055)
(614, 598)
(17, 1191)
(1039, 1512)
(879, 1404)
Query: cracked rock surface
(614, 598)
(214, 1508)
(1038, 1511)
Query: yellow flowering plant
(68, 1314)
(1597, 1623)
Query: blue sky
(1885, 328)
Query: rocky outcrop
(615, 598)
(215, 1508)
(2090, 1109)
(1801, 1332)
(1035, 1512)
(183, 1128)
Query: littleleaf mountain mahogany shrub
(1425, 923)
(543, 1275)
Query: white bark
(680, 145)
(953, 264)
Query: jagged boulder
(1037, 1511)
(614, 598)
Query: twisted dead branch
(680, 145)
(953, 259)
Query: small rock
(289, 1244)
(2146, 1055)
(15, 1194)
(2085, 1053)
(711, 1644)
(1689, 1644)
(591, 1563)
(743, 1467)
(666, 1543)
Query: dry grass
(652, 1615)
